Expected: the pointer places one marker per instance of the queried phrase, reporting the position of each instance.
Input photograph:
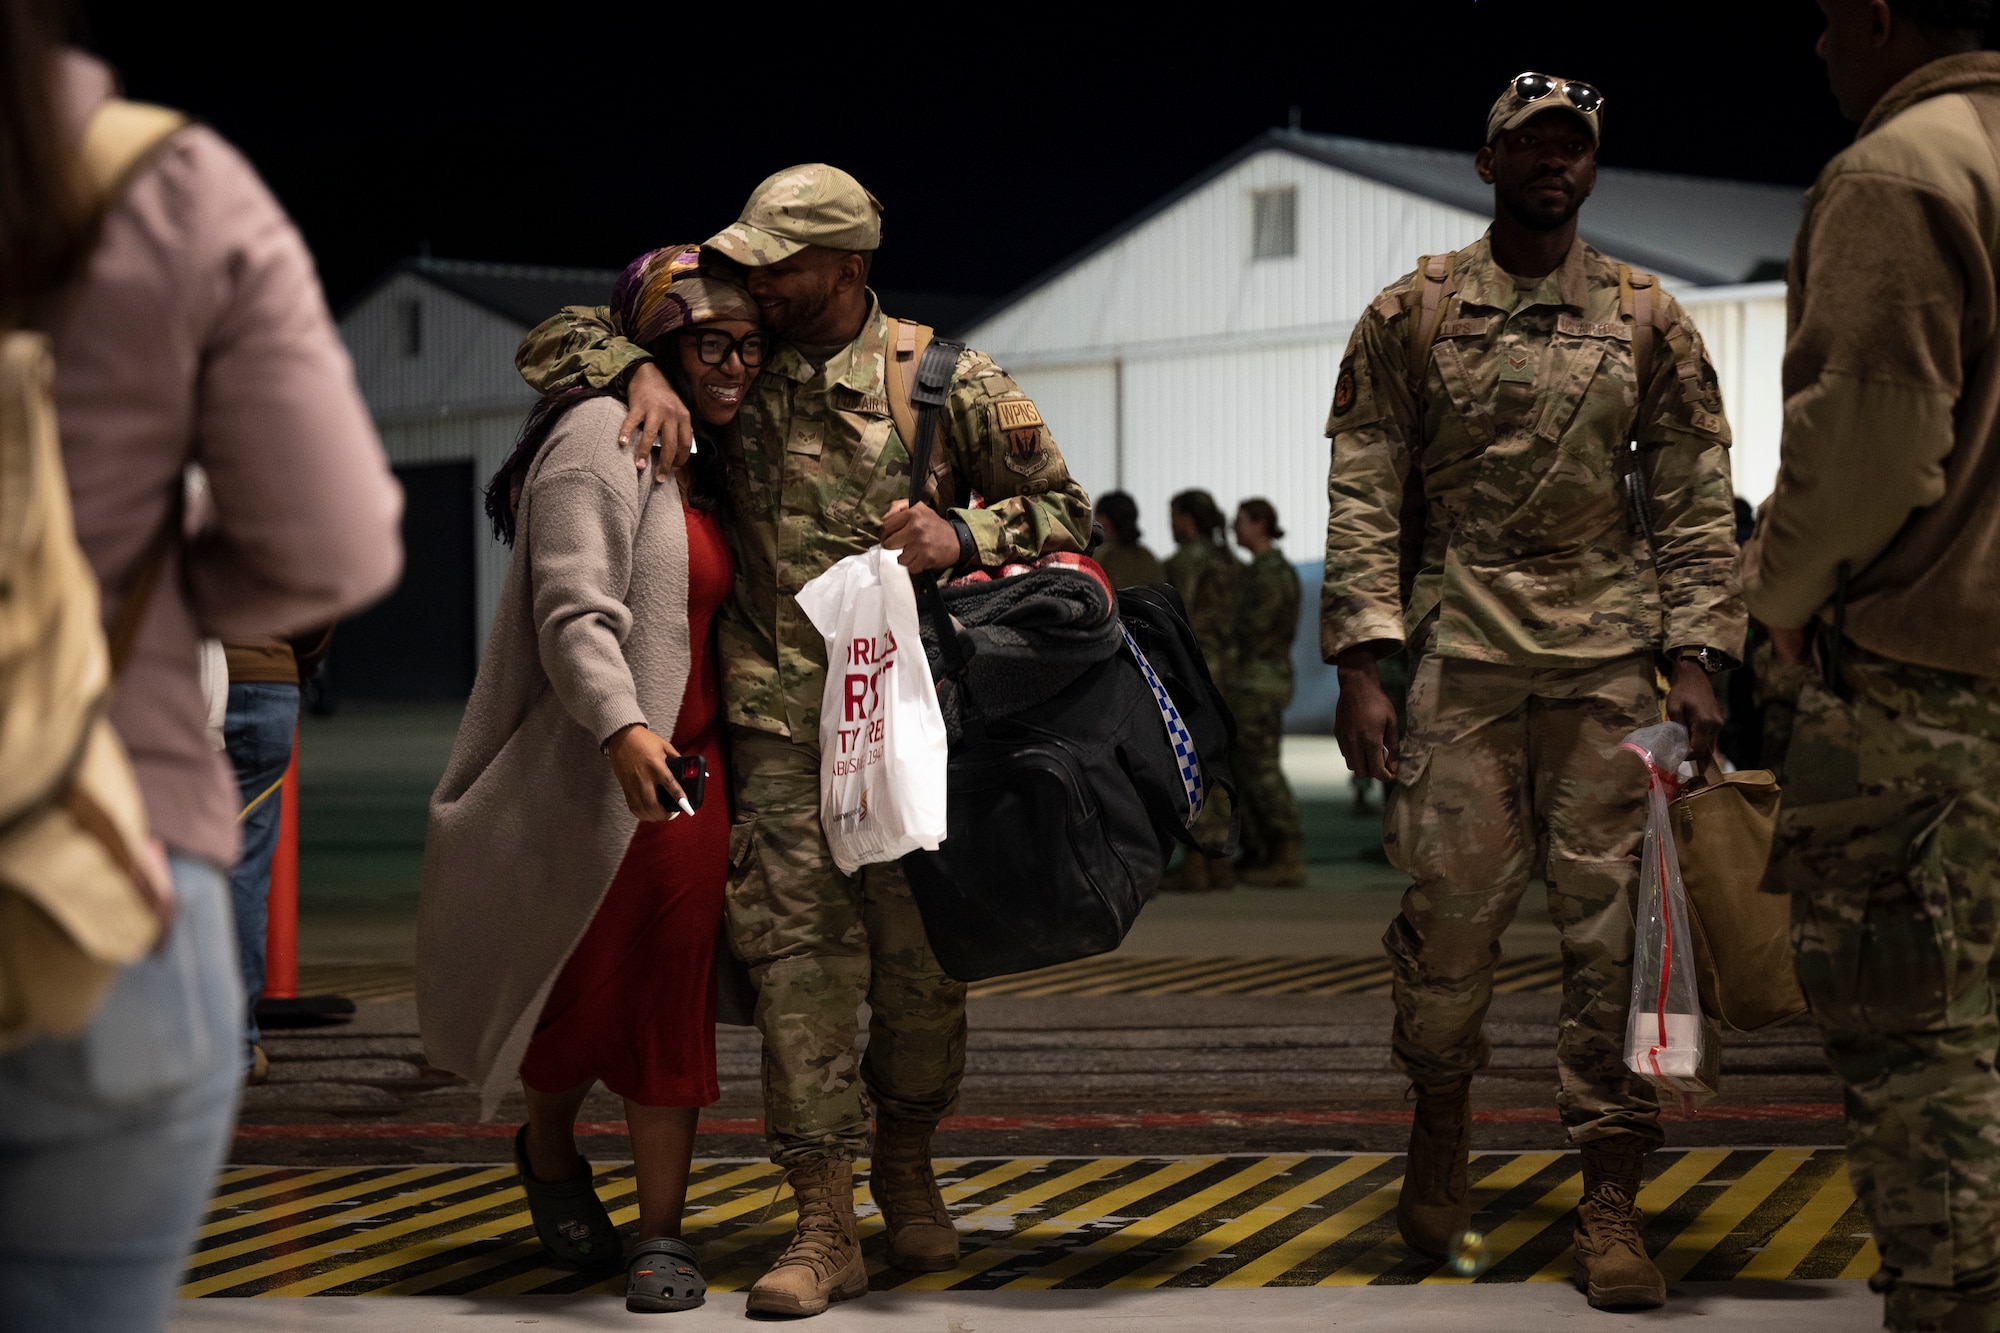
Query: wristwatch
(1705, 658)
(968, 549)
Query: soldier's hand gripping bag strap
(1061, 814)
(81, 890)
(1723, 824)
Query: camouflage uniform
(814, 468)
(1534, 618)
(1210, 580)
(1889, 842)
(1267, 619)
(1130, 566)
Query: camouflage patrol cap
(1521, 103)
(814, 204)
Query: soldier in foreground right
(1488, 421)
(1879, 556)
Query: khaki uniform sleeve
(1371, 425)
(576, 346)
(1684, 441)
(1003, 450)
(1877, 355)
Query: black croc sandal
(662, 1277)
(569, 1217)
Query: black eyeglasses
(1534, 87)
(713, 346)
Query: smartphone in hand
(691, 771)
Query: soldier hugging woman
(815, 468)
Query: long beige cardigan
(529, 826)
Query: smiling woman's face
(718, 390)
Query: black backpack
(1062, 815)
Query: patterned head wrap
(659, 293)
(664, 290)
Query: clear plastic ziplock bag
(1664, 1038)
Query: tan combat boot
(1434, 1208)
(1612, 1268)
(921, 1236)
(1285, 868)
(823, 1263)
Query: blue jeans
(257, 733)
(109, 1142)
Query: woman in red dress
(587, 653)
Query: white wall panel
(1239, 425)
(1187, 274)
(464, 359)
(1744, 328)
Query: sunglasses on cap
(1534, 87)
(713, 346)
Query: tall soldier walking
(1483, 426)
(821, 472)
(1881, 539)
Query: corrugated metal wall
(452, 396)
(1744, 328)
(1186, 276)
(1171, 359)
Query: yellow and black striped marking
(1279, 1220)
(1272, 974)
(1109, 974)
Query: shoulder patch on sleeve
(1017, 414)
(1343, 388)
(1027, 436)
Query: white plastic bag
(1664, 1038)
(882, 741)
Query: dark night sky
(1006, 140)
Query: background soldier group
(1244, 618)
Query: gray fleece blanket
(1025, 638)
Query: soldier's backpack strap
(1438, 281)
(1637, 305)
(907, 342)
(922, 381)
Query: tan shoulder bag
(1742, 934)
(81, 892)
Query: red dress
(634, 1006)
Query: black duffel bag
(1063, 811)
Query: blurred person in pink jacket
(188, 328)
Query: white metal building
(1198, 344)
(1195, 346)
(433, 346)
